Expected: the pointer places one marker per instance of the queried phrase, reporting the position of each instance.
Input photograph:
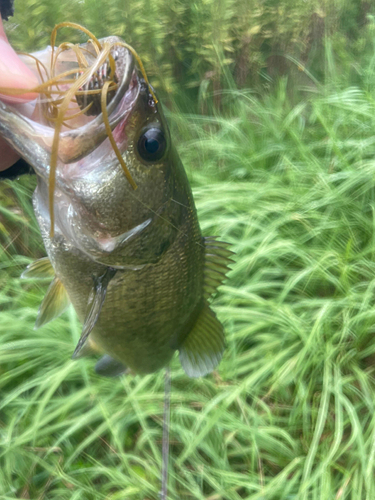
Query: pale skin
(13, 74)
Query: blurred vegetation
(210, 45)
(282, 161)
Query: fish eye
(152, 143)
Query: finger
(13, 72)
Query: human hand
(13, 74)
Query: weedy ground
(289, 414)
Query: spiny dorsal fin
(55, 301)
(94, 306)
(203, 348)
(109, 367)
(39, 269)
(217, 260)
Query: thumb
(13, 72)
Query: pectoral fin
(90, 348)
(203, 348)
(54, 303)
(39, 269)
(109, 367)
(94, 308)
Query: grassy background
(282, 167)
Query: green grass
(189, 47)
(289, 414)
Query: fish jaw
(25, 129)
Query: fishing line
(56, 113)
(163, 218)
(165, 444)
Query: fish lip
(95, 126)
(76, 169)
(95, 129)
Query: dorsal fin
(217, 261)
(39, 269)
(203, 348)
(55, 301)
(94, 307)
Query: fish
(125, 250)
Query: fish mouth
(87, 94)
(83, 127)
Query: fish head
(115, 218)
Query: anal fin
(203, 348)
(94, 308)
(109, 367)
(54, 303)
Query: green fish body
(132, 262)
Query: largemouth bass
(133, 262)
